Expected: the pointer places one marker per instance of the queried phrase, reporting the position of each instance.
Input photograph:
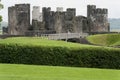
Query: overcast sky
(80, 5)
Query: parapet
(48, 9)
(105, 11)
(71, 9)
(101, 11)
(21, 5)
(12, 7)
(91, 6)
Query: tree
(1, 6)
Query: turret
(70, 13)
(90, 10)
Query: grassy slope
(105, 39)
(35, 41)
(25, 72)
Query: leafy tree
(1, 6)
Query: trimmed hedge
(60, 56)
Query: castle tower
(45, 13)
(91, 10)
(19, 19)
(97, 19)
(48, 18)
(36, 15)
(70, 13)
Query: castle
(59, 21)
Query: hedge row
(60, 56)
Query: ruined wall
(12, 21)
(67, 21)
(36, 15)
(38, 26)
(80, 24)
(64, 21)
(69, 17)
(19, 19)
(37, 19)
(98, 19)
(59, 22)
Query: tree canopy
(1, 6)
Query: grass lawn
(28, 72)
(105, 39)
(37, 41)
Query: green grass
(37, 41)
(29, 72)
(105, 39)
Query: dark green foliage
(60, 56)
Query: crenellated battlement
(58, 21)
(98, 19)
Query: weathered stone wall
(12, 21)
(98, 19)
(19, 19)
(80, 24)
(36, 15)
(58, 21)
(69, 17)
(46, 17)
(37, 25)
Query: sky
(113, 6)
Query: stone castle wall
(58, 21)
(98, 19)
(19, 19)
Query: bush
(60, 56)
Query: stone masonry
(58, 21)
(19, 19)
(98, 19)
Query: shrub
(60, 56)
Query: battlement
(58, 21)
(101, 11)
(47, 9)
(71, 11)
(105, 11)
(92, 11)
(91, 6)
(19, 19)
(22, 6)
(11, 8)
